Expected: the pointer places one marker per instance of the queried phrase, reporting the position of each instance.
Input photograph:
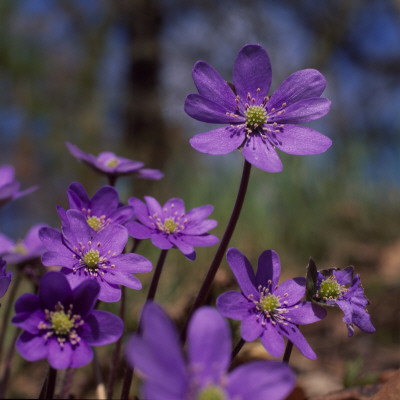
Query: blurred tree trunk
(144, 127)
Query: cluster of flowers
(61, 323)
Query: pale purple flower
(171, 226)
(86, 254)
(337, 287)
(107, 163)
(60, 324)
(157, 354)
(5, 278)
(9, 187)
(268, 310)
(258, 124)
(23, 250)
(102, 209)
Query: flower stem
(205, 288)
(237, 348)
(150, 296)
(50, 383)
(6, 315)
(288, 352)
(66, 383)
(112, 179)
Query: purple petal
(206, 110)
(131, 263)
(149, 173)
(127, 280)
(305, 313)
(122, 214)
(292, 290)
(153, 206)
(298, 86)
(109, 293)
(78, 153)
(209, 345)
(101, 328)
(269, 269)
(7, 174)
(31, 347)
(53, 288)
(196, 215)
(112, 238)
(104, 201)
(234, 305)
(173, 207)
(251, 328)
(85, 297)
(201, 241)
(28, 314)
(260, 153)
(243, 272)
(293, 333)
(140, 211)
(345, 276)
(300, 140)
(82, 355)
(185, 248)
(138, 231)
(77, 196)
(59, 357)
(211, 85)
(201, 227)
(260, 380)
(160, 240)
(54, 259)
(53, 241)
(218, 141)
(272, 340)
(252, 71)
(6, 244)
(303, 111)
(78, 227)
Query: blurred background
(113, 76)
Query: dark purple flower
(101, 210)
(339, 288)
(108, 163)
(258, 124)
(85, 254)
(5, 278)
(24, 250)
(171, 226)
(9, 186)
(158, 356)
(61, 325)
(268, 310)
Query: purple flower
(338, 288)
(5, 278)
(24, 250)
(9, 186)
(204, 376)
(101, 210)
(170, 226)
(257, 123)
(108, 163)
(268, 310)
(85, 254)
(61, 325)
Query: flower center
(91, 258)
(112, 163)
(170, 226)
(95, 223)
(211, 392)
(255, 116)
(269, 303)
(61, 323)
(330, 289)
(20, 248)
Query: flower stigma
(269, 303)
(211, 392)
(61, 323)
(330, 289)
(91, 258)
(112, 163)
(170, 226)
(256, 116)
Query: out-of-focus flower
(158, 355)
(107, 163)
(61, 324)
(258, 124)
(86, 254)
(171, 226)
(268, 310)
(5, 278)
(9, 187)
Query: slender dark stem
(237, 348)
(205, 288)
(51, 383)
(288, 352)
(117, 350)
(6, 315)
(112, 179)
(150, 296)
(135, 245)
(7, 365)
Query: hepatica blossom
(9, 187)
(107, 163)
(338, 288)
(257, 123)
(60, 323)
(5, 278)
(204, 375)
(171, 226)
(101, 210)
(268, 310)
(23, 250)
(85, 254)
